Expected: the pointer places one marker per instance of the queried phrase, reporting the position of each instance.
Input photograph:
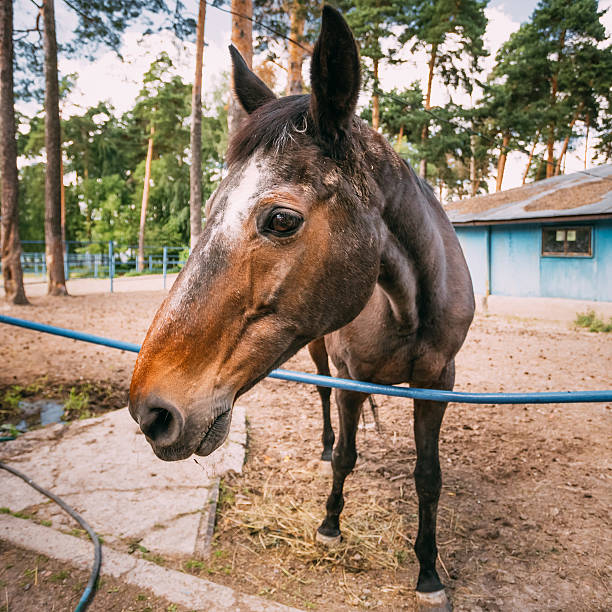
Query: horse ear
(335, 78)
(250, 90)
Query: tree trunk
(565, 143)
(501, 163)
(62, 199)
(56, 282)
(535, 142)
(242, 39)
(400, 137)
(10, 243)
(295, 83)
(586, 140)
(550, 151)
(424, 133)
(195, 172)
(550, 144)
(375, 100)
(145, 201)
(473, 182)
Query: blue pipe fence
(460, 397)
(104, 260)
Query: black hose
(89, 591)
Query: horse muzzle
(176, 433)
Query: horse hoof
(329, 541)
(433, 602)
(325, 467)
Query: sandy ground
(524, 513)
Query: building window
(567, 241)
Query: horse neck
(413, 257)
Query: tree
(372, 21)
(98, 22)
(195, 176)
(512, 112)
(560, 57)
(10, 244)
(56, 281)
(401, 114)
(450, 32)
(242, 39)
(161, 110)
(287, 28)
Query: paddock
(523, 521)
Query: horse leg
(427, 476)
(343, 461)
(318, 353)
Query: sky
(109, 78)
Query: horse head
(290, 252)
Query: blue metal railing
(110, 260)
(554, 397)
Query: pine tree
(372, 22)
(9, 234)
(449, 32)
(242, 39)
(287, 28)
(98, 22)
(559, 57)
(161, 110)
(195, 175)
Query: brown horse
(318, 230)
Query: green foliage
(593, 322)
(372, 23)
(9, 431)
(553, 72)
(77, 405)
(451, 32)
(105, 158)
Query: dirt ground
(524, 513)
(31, 582)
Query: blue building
(552, 238)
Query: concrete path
(105, 469)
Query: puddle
(39, 412)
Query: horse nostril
(162, 425)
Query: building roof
(581, 194)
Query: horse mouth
(184, 448)
(216, 434)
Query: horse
(318, 230)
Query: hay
(373, 537)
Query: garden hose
(89, 591)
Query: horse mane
(271, 126)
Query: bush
(591, 320)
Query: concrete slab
(190, 591)
(106, 471)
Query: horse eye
(284, 222)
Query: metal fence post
(111, 258)
(165, 264)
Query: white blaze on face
(240, 201)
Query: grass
(591, 320)
(77, 405)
